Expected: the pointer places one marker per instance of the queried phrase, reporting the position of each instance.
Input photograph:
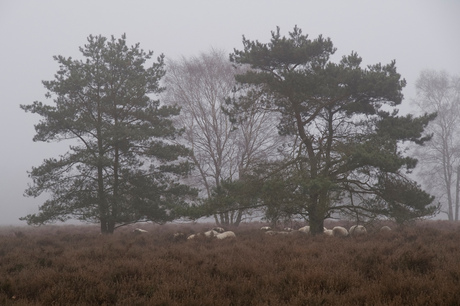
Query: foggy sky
(418, 34)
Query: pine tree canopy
(343, 125)
(121, 166)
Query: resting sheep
(224, 235)
(218, 229)
(305, 229)
(193, 236)
(328, 232)
(210, 233)
(213, 233)
(339, 231)
(265, 228)
(357, 230)
(385, 229)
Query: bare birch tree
(200, 85)
(439, 92)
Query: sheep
(224, 235)
(210, 233)
(357, 230)
(328, 232)
(305, 229)
(139, 231)
(265, 228)
(193, 236)
(339, 231)
(385, 229)
(218, 229)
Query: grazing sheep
(224, 235)
(357, 230)
(328, 232)
(385, 229)
(139, 231)
(305, 229)
(339, 231)
(265, 228)
(218, 229)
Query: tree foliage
(346, 133)
(121, 166)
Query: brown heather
(74, 265)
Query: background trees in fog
(439, 92)
(222, 152)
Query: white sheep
(139, 231)
(328, 232)
(385, 229)
(224, 235)
(358, 230)
(210, 233)
(218, 229)
(193, 236)
(339, 231)
(265, 228)
(305, 229)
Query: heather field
(75, 265)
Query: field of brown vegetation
(75, 265)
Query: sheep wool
(305, 229)
(210, 233)
(358, 230)
(225, 235)
(339, 231)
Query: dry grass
(74, 265)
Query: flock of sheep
(220, 234)
(337, 231)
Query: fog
(418, 34)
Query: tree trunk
(239, 217)
(315, 216)
(457, 191)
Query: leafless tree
(200, 86)
(439, 92)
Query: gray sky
(418, 34)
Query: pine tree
(345, 139)
(121, 166)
